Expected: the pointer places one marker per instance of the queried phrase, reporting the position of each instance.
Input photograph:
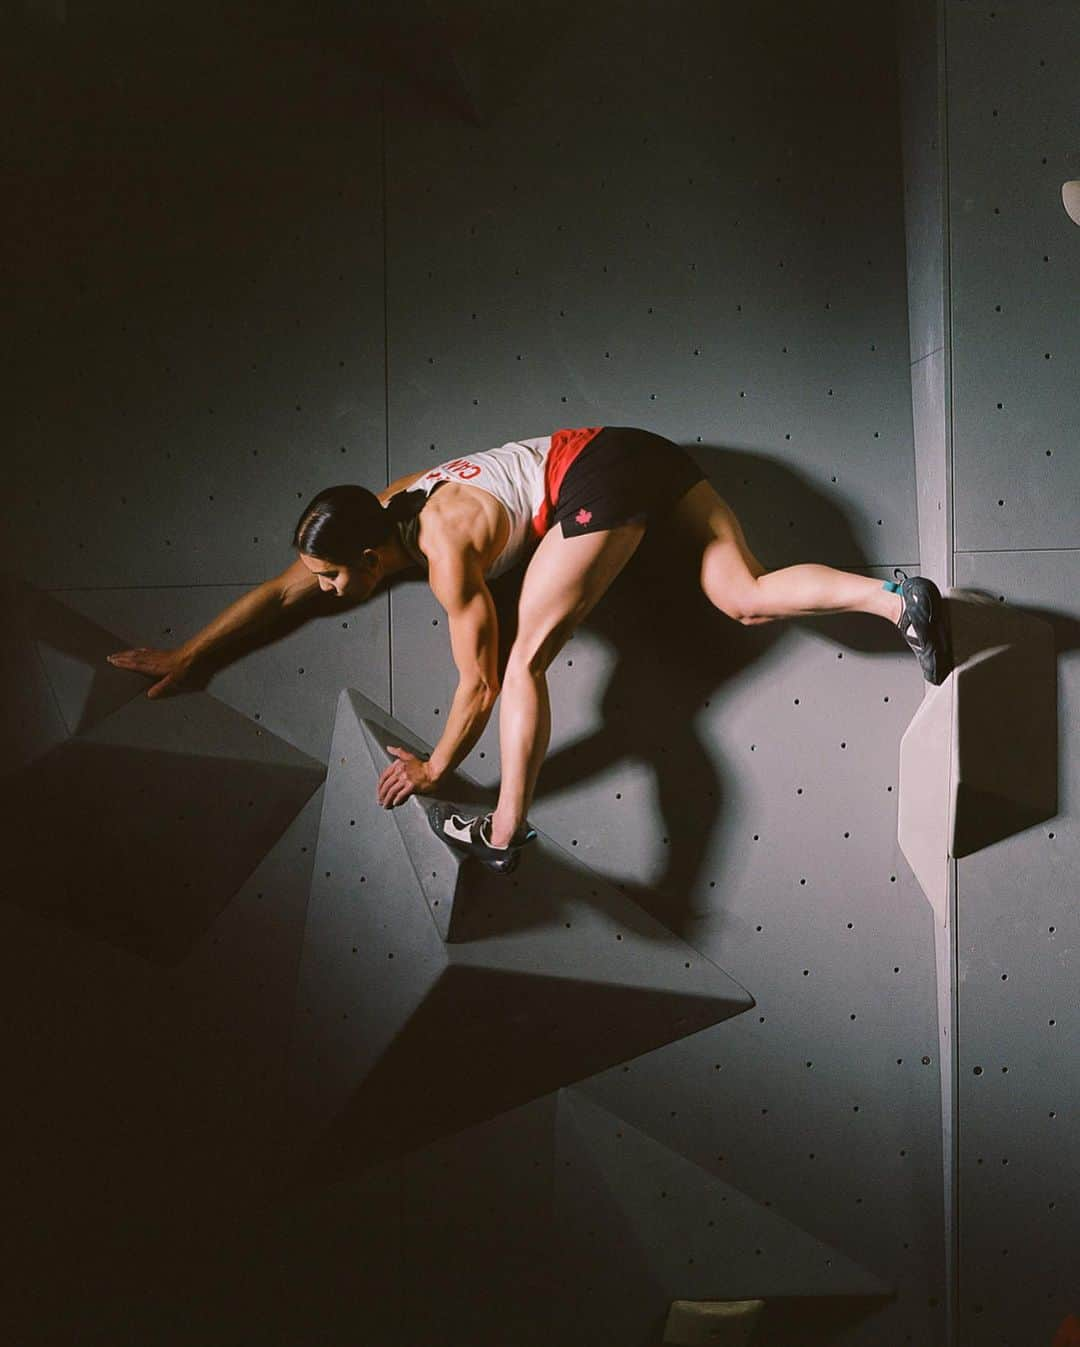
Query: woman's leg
(736, 582)
(564, 579)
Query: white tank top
(514, 475)
(523, 476)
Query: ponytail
(343, 522)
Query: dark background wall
(257, 253)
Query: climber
(575, 505)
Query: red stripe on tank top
(565, 447)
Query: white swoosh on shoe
(452, 827)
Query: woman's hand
(402, 778)
(173, 664)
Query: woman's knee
(542, 632)
(732, 587)
(531, 656)
(743, 612)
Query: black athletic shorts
(623, 476)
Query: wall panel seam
(386, 370)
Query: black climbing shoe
(924, 624)
(470, 835)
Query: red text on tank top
(460, 467)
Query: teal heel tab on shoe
(892, 588)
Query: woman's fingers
(160, 687)
(394, 786)
(125, 659)
(168, 666)
(141, 660)
(385, 781)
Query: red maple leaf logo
(583, 516)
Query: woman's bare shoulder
(459, 518)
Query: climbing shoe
(472, 836)
(924, 624)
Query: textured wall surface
(691, 221)
(1015, 262)
(1012, 131)
(680, 224)
(921, 51)
(198, 336)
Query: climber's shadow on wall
(675, 652)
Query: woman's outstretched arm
(259, 608)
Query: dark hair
(343, 521)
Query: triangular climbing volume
(132, 821)
(552, 976)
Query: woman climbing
(577, 504)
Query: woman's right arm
(259, 607)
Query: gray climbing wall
(1015, 263)
(198, 341)
(679, 223)
(683, 217)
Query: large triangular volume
(54, 675)
(134, 821)
(554, 975)
(643, 1226)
